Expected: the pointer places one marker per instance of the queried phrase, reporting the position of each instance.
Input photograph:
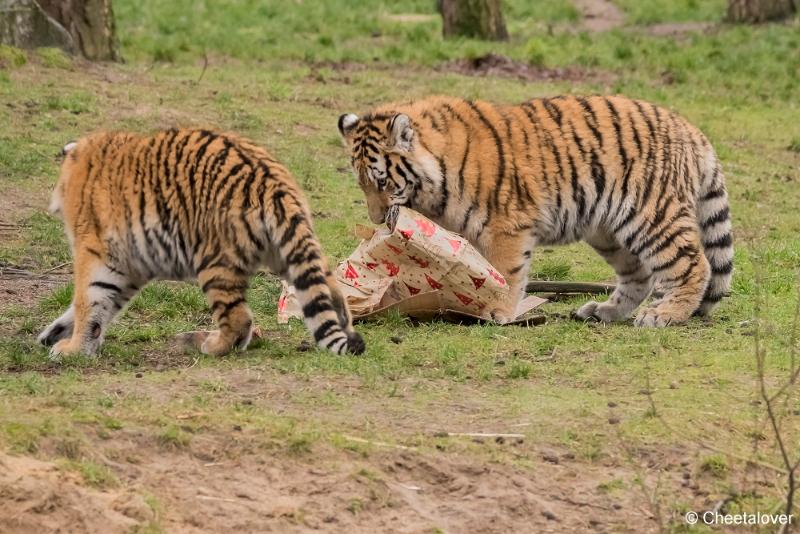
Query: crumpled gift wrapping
(419, 268)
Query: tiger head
(386, 158)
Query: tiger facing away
(187, 204)
(638, 183)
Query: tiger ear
(346, 124)
(400, 133)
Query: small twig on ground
(205, 66)
(477, 435)
(210, 498)
(742, 458)
(57, 267)
(193, 415)
(774, 417)
(378, 443)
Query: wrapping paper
(419, 268)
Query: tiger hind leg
(681, 270)
(634, 283)
(225, 291)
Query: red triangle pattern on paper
(478, 282)
(419, 261)
(426, 227)
(411, 289)
(433, 283)
(455, 244)
(282, 303)
(350, 272)
(465, 300)
(407, 233)
(391, 268)
(394, 249)
(498, 277)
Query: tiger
(186, 205)
(637, 182)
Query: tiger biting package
(638, 183)
(185, 205)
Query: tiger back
(187, 204)
(637, 182)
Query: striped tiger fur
(638, 183)
(187, 204)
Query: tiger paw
(586, 312)
(658, 318)
(63, 348)
(501, 315)
(191, 341)
(54, 333)
(598, 311)
(204, 341)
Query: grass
(273, 75)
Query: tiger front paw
(603, 312)
(62, 348)
(501, 315)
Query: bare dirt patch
(504, 67)
(211, 486)
(16, 204)
(243, 479)
(37, 497)
(25, 292)
(599, 15)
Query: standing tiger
(185, 205)
(638, 183)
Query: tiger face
(383, 154)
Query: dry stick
(702, 443)
(205, 66)
(210, 498)
(57, 267)
(561, 288)
(761, 354)
(378, 443)
(641, 480)
(478, 435)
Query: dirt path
(246, 478)
(214, 486)
(599, 15)
(38, 497)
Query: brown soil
(26, 292)
(210, 486)
(37, 497)
(235, 480)
(505, 67)
(678, 29)
(599, 15)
